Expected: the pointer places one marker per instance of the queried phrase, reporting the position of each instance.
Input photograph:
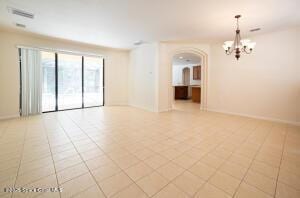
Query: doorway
(71, 81)
(186, 81)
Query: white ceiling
(186, 59)
(120, 23)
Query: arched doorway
(203, 72)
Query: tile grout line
(20, 157)
(132, 152)
(2, 134)
(35, 168)
(121, 169)
(242, 180)
(55, 171)
(154, 170)
(205, 181)
(80, 157)
(190, 166)
(25, 133)
(282, 153)
(113, 162)
(217, 169)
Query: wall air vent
(21, 13)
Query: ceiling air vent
(20, 25)
(139, 42)
(21, 13)
(255, 29)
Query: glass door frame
(82, 85)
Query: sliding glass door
(48, 88)
(71, 81)
(93, 81)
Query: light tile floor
(127, 152)
(185, 105)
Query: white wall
(150, 74)
(177, 71)
(116, 68)
(264, 84)
(167, 51)
(142, 76)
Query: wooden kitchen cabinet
(197, 73)
(196, 94)
(181, 92)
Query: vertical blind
(31, 89)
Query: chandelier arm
(244, 49)
(247, 51)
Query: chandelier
(238, 45)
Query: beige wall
(167, 51)
(143, 76)
(116, 68)
(265, 84)
(150, 74)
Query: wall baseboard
(9, 117)
(255, 117)
(116, 104)
(213, 110)
(141, 107)
(148, 109)
(165, 110)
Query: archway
(204, 74)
